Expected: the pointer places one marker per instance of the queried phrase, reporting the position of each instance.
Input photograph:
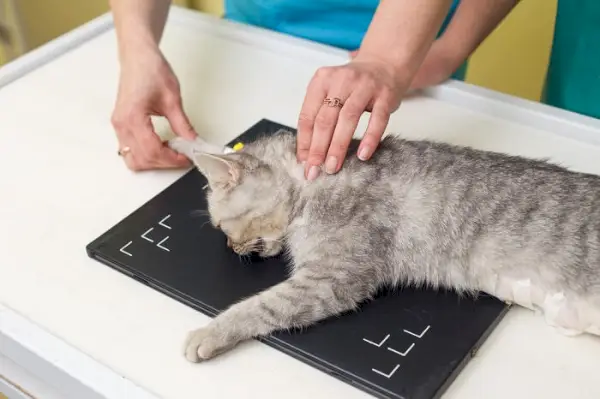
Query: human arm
(375, 81)
(139, 24)
(147, 86)
(472, 23)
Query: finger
(151, 152)
(126, 144)
(324, 126)
(315, 93)
(347, 122)
(380, 116)
(161, 156)
(180, 124)
(130, 161)
(145, 150)
(125, 140)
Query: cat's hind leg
(300, 301)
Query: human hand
(148, 86)
(366, 84)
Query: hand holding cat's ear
(147, 87)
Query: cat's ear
(220, 170)
(191, 147)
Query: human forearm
(139, 24)
(473, 21)
(402, 32)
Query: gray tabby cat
(419, 212)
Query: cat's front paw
(204, 344)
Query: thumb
(180, 124)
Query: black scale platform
(405, 344)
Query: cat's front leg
(300, 301)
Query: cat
(418, 212)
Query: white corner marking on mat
(379, 344)
(146, 232)
(418, 335)
(162, 222)
(161, 242)
(402, 353)
(123, 249)
(391, 373)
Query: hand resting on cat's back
(422, 213)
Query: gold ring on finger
(333, 102)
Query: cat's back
(399, 165)
(423, 173)
(400, 160)
(442, 199)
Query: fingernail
(331, 165)
(363, 154)
(313, 173)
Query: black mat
(405, 344)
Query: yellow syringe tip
(238, 146)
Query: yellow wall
(214, 7)
(512, 60)
(4, 10)
(44, 20)
(47, 19)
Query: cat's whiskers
(199, 212)
(275, 240)
(245, 259)
(255, 245)
(204, 224)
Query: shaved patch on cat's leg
(571, 314)
(298, 302)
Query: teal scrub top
(573, 78)
(338, 23)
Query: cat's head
(247, 200)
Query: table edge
(23, 65)
(60, 364)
